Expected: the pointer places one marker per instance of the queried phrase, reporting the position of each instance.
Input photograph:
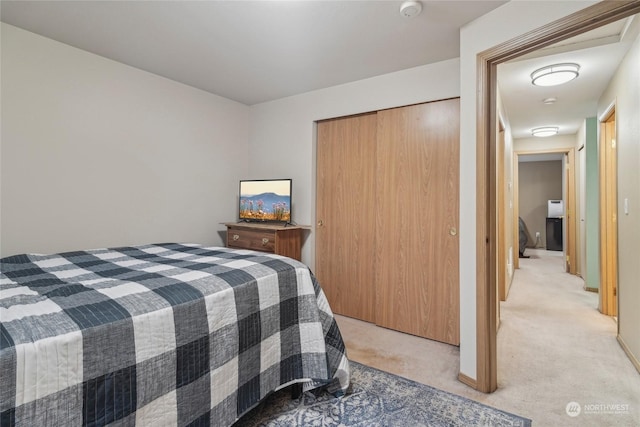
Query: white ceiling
(598, 52)
(256, 51)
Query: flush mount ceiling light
(410, 8)
(557, 74)
(544, 131)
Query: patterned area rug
(377, 398)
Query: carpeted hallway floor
(554, 348)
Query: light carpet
(377, 398)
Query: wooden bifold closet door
(404, 274)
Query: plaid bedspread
(167, 334)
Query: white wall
(96, 153)
(508, 217)
(282, 137)
(624, 90)
(541, 145)
(502, 24)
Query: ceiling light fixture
(544, 131)
(556, 74)
(410, 8)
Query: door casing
(569, 197)
(607, 161)
(487, 62)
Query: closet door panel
(417, 220)
(345, 214)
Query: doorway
(585, 20)
(566, 189)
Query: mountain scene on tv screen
(265, 207)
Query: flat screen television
(265, 200)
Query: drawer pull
(235, 237)
(265, 241)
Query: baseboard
(467, 380)
(630, 355)
(588, 289)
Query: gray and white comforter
(167, 334)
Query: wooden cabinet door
(345, 214)
(417, 220)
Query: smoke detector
(410, 8)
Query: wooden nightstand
(277, 239)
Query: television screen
(265, 200)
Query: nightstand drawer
(257, 240)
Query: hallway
(554, 344)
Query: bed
(162, 334)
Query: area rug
(377, 398)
